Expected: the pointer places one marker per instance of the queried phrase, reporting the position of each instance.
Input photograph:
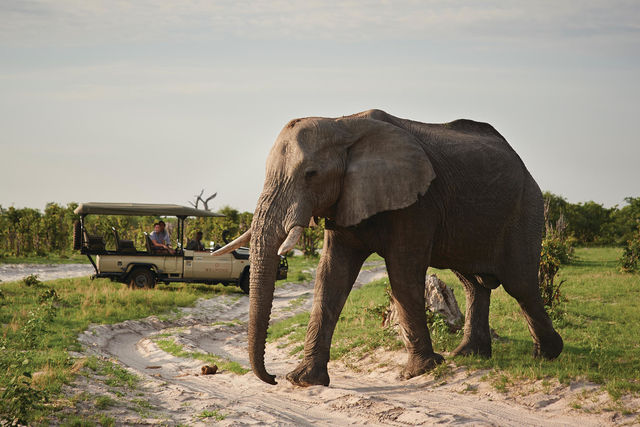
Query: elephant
(452, 195)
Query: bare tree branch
(205, 202)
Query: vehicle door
(172, 265)
(208, 267)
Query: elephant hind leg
(407, 286)
(546, 341)
(477, 336)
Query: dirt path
(12, 272)
(176, 394)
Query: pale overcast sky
(152, 101)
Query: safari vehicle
(144, 268)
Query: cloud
(141, 21)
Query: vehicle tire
(142, 278)
(244, 282)
(77, 236)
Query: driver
(160, 238)
(196, 243)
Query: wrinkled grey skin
(451, 195)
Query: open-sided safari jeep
(143, 268)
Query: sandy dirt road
(178, 395)
(11, 272)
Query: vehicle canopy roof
(141, 209)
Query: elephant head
(345, 169)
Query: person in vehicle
(160, 238)
(195, 244)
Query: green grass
(104, 402)
(599, 327)
(299, 263)
(359, 326)
(373, 261)
(296, 265)
(175, 349)
(215, 414)
(112, 374)
(36, 337)
(295, 303)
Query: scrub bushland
(40, 323)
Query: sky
(154, 101)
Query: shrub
(556, 250)
(630, 260)
(31, 280)
(552, 252)
(20, 398)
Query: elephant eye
(310, 174)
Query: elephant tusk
(291, 240)
(231, 246)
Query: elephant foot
(549, 348)
(473, 347)
(418, 365)
(308, 374)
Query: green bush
(20, 398)
(630, 260)
(553, 252)
(31, 280)
(557, 249)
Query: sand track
(218, 326)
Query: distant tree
(587, 221)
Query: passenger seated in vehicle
(195, 244)
(160, 238)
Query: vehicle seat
(93, 242)
(147, 242)
(123, 245)
(150, 248)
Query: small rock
(209, 370)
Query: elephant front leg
(337, 271)
(407, 286)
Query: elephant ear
(387, 169)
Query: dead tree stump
(439, 299)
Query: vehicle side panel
(206, 266)
(120, 263)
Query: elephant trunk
(274, 218)
(264, 264)
(267, 233)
